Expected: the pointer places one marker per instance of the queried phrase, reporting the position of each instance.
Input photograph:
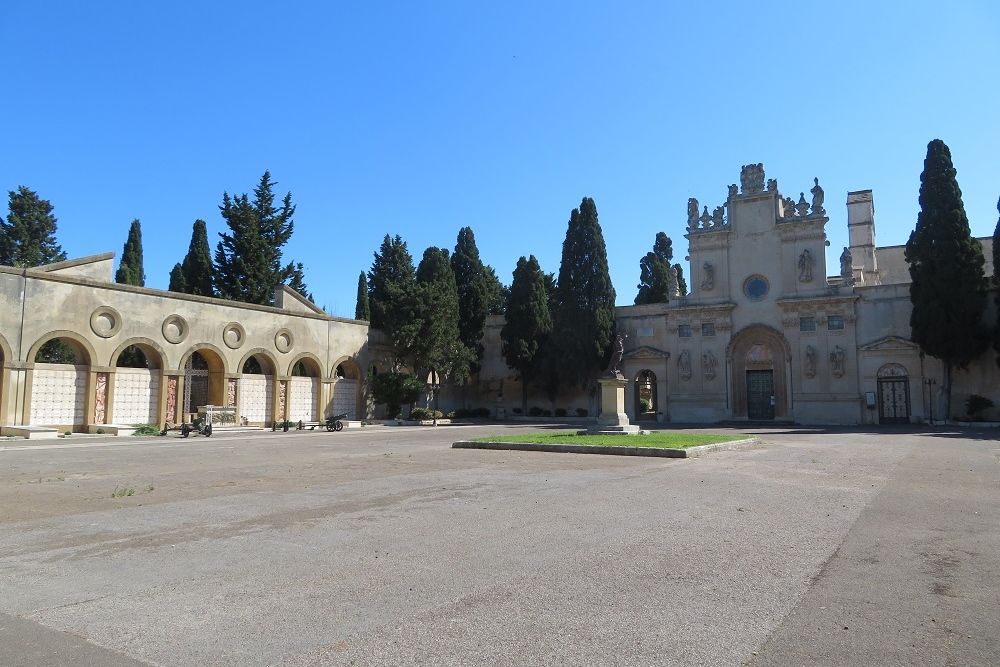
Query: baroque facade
(769, 332)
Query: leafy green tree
(130, 271)
(654, 272)
(56, 351)
(362, 311)
(584, 314)
(948, 288)
(479, 293)
(177, 281)
(394, 389)
(430, 338)
(996, 285)
(197, 264)
(527, 323)
(248, 259)
(389, 283)
(28, 236)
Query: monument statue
(673, 288)
(789, 207)
(806, 266)
(817, 193)
(692, 213)
(708, 364)
(717, 216)
(752, 178)
(772, 185)
(847, 267)
(618, 349)
(708, 281)
(810, 361)
(837, 361)
(684, 364)
(734, 190)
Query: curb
(609, 450)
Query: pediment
(646, 352)
(890, 343)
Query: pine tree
(177, 280)
(389, 281)
(248, 259)
(130, 271)
(479, 292)
(197, 264)
(654, 272)
(584, 314)
(432, 332)
(948, 288)
(527, 323)
(28, 236)
(362, 311)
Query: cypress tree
(584, 316)
(682, 286)
(996, 284)
(130, 270)
(28, 235)
(948, 288)
(479, 293)
(197, 264)
(362, 311)
(527, 323)
(390, 278)
(432, 332)
(654, 272)
(177, 281)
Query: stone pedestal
(613, 418)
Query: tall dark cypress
(996, 285)
(479, 292)
(654, 272)
(527, 323)
(197, 264)
(948, 288)
(362, 311)
(130, 270)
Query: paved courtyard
(383, 546)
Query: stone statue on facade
(802, 208)
(734, 190)
(717, 216)
(708, 364)
(772, 185)
(684, 364)
(692, 213)
(708, 276)
(752, 178)
(806, 266)
(837, 361)
(810, 366)
(847, 267)
(673, 288)
(789, 206)
(817, 193)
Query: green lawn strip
(658, 440)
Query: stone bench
(29, 432)
(111, 429)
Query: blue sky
(420, 118)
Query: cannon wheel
(331, 425)
(185, 430)
(208, 431)
(338, 425)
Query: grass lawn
(659, 439)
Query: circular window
(105, 322)
(234, 335)
(756, 287)
(175, 329)
(283, 340)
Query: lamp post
(434, 380)
(930, 382)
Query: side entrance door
(893, 400)
(760, 392)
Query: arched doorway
(59, 384)
(303, 390)
(646, 405)
(203, 380)
(136, 385)
(893, 394)
(344, 394)
(759, 357)
(256, 389)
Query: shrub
(517, 411)
(560, 412)
(975, 404)
(546, 413)
(581, 412)
(482, 413)
(146, 429)
(101, 431)
(535, 411)
(645, 405)
(419, 414)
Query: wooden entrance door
(894, 400)
(760, 394)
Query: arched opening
(346, 386)
(59, 384)
(646, 406)
(136, 385)
(893, 394)
(759, 357)
(256, 388)
(203, 381)
(303, 390)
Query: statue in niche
(684, 364)
(817, 193)
(810, 361)
(752, 178)
(802, 208)
(705, 218)
(673, 289)
(837, 361)
(734, 190)
(708, 364)
(772, 185)
(806, 262)
(789, 211)
(708, 279)
(847, 267)
(692, 213)
(717, 214)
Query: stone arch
(84, 350)
(764, 352)
(155, 355)
(209, 384)
(350, 368)
(5, 359)
(644, 385)
(346, 390)
(6, 355)
(269, 365)
(310, 363)
(305, 392)
(893, 384)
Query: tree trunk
(946, 392)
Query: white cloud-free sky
(420, 118)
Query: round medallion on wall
(105, 322)
(283, 340)
(756, 287)
(234, 335)
(175, 329)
